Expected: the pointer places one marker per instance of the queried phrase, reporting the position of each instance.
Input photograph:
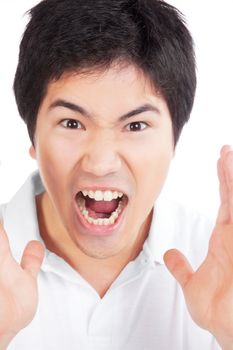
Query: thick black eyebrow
(144, 108)
(76, 108)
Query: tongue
(101, 206)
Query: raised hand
(209, 291)
(18, 287)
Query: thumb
(32, 257)
(178, 266)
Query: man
(105, 88)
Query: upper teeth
(103, 195)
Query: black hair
(78, 35)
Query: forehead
(119, 87)
(116, 75)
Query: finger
(228, 169)
(225, 149)
(223, 213)
(178, 266)
(224, 210)
(222, 182)
(33, 257)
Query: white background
(192, 178)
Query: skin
(101, 153)
(208, 291)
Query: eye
(136, 126)
(71, 124)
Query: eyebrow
(76, 108)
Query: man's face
(102, 135)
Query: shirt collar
(20, 216)
(162, 234)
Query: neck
(100, 273)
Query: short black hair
(78, 35)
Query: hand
(18, 287)
(209, 291)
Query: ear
(32, 152)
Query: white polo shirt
(143, 309)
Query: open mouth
(101, 208)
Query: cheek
(150, 168)
(57, 161)
(152, 171)
(57, 157)
(156, 174)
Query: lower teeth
(106, 221)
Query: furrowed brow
(76, 108)
(145, 108)
(69, 105)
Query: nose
(101, 156)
